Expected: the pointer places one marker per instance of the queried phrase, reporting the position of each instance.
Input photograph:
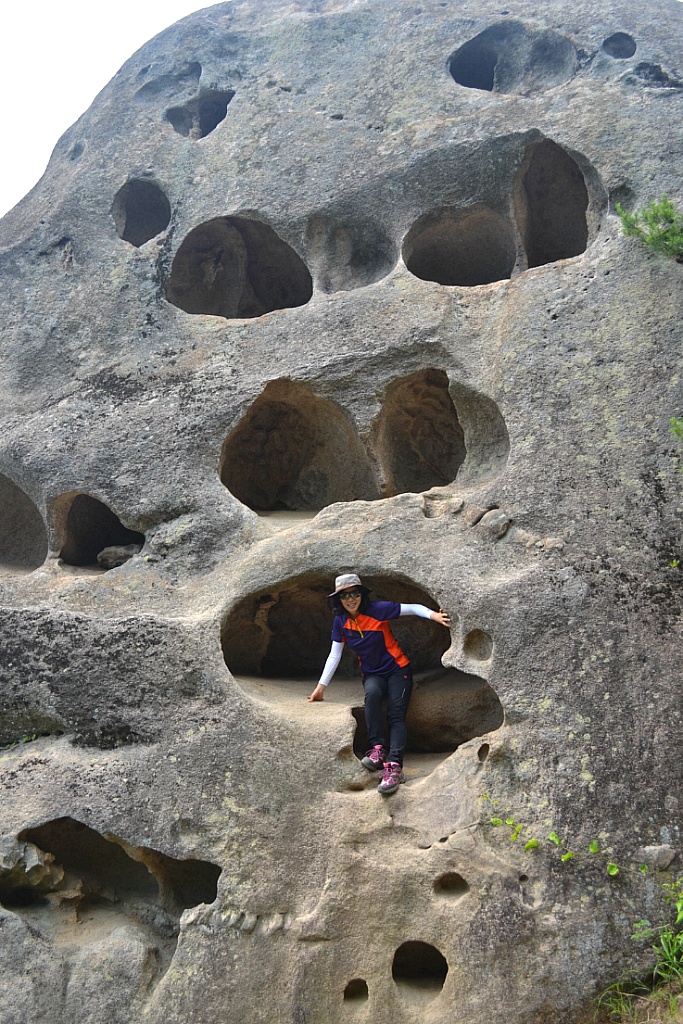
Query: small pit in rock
(551, 201)
(237, 268)
(419, 970)
(451, 885)
(89, 527)
(478, 645)
(140, 211)
(23, 537)
(620, 45)
(198, 118)
(356, 991)
(483, 752)
(295, 451)
(419, 440)
(467, 247)
(509, 57)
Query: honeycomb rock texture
(321, 286)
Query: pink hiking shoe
(374, 759)
(391, 779)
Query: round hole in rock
(140, 211)
(356, 991)
(198, 118)
(283, 632)
(523, 878)
(467, 247)
(295, 451)
(237, 268)
(89, 527)
(509, 57)
(349, 251)
(23, 537)
(451, 885)
(620, 45)
(419, 440)
(478, 645)
(483, 752)
(551, 200)
(419, 970)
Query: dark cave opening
(419, 969)
(237, 268)
(620, 45)
(140, 211)
(468, 247)
(201, 115)
(552, 200)
(89, 526)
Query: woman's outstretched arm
(333, 659)
(426, 613)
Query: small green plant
(532, 844)
(612, 869)
(567, 855)
(28, 738)
(594, 846)
(554, 838)
(496, 821)
(658, 226)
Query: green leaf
(554, 838)
(496, 821)
(612, 869)
(566, 856)
(594, 846)
(531, 845)
(510, 821)
(643, 869)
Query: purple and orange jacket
(370, 637)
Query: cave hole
(89, 526)
(620, 45)
(467, 247)
(283, 632)
(23, 537)
(112, 867)
(551, 201)
(199, 116)
(294, 451)
(237, 268)
(451, 885)
(140, 211)
(478, 645)
(447, 708)
(356, 991)
(349, 251)
(419, 439)
(483, 752)
(419, 970)
(509, 57)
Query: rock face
(320, 286)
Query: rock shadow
(23, 537)
(236, 267)
(510, 57)
(293, 450)
(348, 251)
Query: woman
(364, 626)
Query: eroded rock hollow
(319, 287)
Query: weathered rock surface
(327, 286)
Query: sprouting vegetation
(659, 226)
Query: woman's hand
(439, 617)
(318, 693)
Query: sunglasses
(350, 593)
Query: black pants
(395, 689)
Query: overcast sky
(54, 58)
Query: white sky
(55, 56)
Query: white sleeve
(416, 609)
(333, 659)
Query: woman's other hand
(439, 617)
(318, 693)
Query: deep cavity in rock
(197, 118)
(551, 201)
(509, 57)
(89, 526)
(461, 247)
(237, 268)
(140, 211)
